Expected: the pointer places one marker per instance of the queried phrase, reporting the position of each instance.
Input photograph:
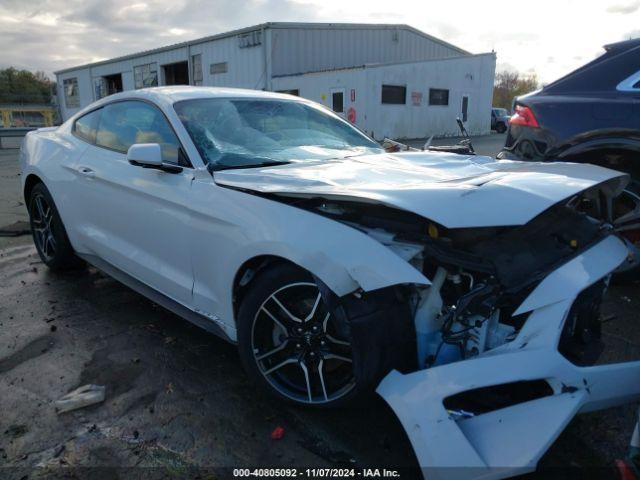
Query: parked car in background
(499, 119)
(591, 115)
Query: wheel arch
(589, 148)
(247, 272)
(621, 156)
(31, 181)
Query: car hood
(455, 191)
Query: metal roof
(383, 64)
(272, 25)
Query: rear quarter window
(86, 127)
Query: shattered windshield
(234, 133)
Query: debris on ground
(81, 397)
(277, 433)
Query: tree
(23, 86)
(509, 85)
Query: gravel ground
(177, 401)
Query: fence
(26, 115)
(12, 137)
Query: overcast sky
(550, 37)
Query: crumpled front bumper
(511, 440)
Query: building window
(71, 94)
(107, 85)
(337, 102)
(438, 96)
(196, 69)
(250, 39)
(146, 75)
(215, 68)
(100, 87)
(394, 94)
(293, 91)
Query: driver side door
(137, 219)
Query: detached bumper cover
(511, 440)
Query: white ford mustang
(462, 288)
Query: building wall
(301, 50)
(472, 76)
(245, 66)
(87, 75)
(291, 49)
(85, 90)
(246, 69)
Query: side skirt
(156, 297)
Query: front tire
(501, 128)
(289, 344)
(49, 234)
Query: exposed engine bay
(479, 278)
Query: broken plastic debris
(81, 397)
(277, 433)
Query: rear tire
(288, 343)
(49, 234)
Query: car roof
(623, 45)
(618, 61)
(185, 92)
(166, 96)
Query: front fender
(344, 258)
(244, 226)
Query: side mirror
(149, 155)
(145, 154)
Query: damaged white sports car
(462, 288)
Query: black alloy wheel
(290, 344)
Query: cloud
(631, 34)
(53, 34)
(625, 8)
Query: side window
(86, 126)
(124, 123)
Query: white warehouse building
(390, 80)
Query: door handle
(86, 171)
